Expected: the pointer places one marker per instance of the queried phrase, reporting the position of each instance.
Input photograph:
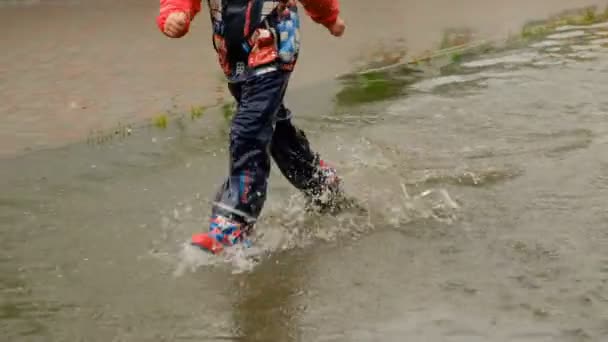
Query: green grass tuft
(197, 112)
(228, 111)
(590, 16)
(456, 57)
(369, 87)
(161, 121)
(534, 31)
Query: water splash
(238, 258)
(191, 258)
(436, 204)
(287, 226)
(378, 200)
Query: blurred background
(72, 66)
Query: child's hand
(337, 29)
(176, 24)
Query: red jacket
(324, 12)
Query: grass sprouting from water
(161, 121)
(369, 87)
(581, 17)
(534, 31)
(197, 112)
(456, 57)
(590, 16)
(228, 111)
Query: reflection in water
(20, 314)
(267, 305)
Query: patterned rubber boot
(328, 192)
(223, 232)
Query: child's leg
(291, 151)
(298, 162)
(253, 138)
(243, 194)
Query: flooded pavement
(483, 189)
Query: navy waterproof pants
(261, 129)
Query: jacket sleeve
(190, 7)
(324, 12)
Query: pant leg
(293, 155)
(243, 193)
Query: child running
(257, 43)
